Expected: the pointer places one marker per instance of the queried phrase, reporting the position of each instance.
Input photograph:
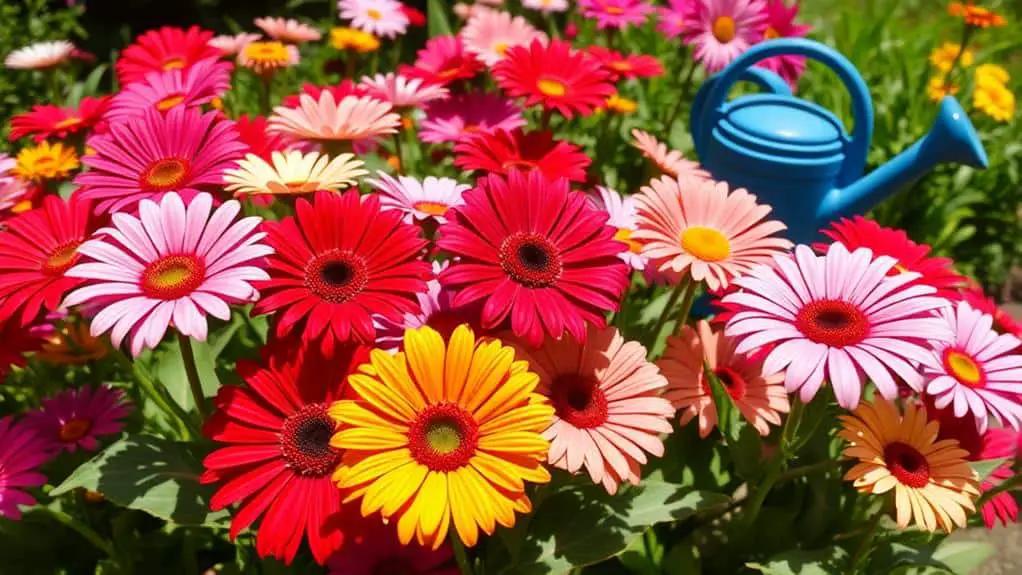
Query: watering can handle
(762, 77)
(862, 104)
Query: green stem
(168, 406)
(461, 555)
(264, 95)
(82, 529)
(966, 35)
(686, 84)
(796, 472)
(544, 121)
(666, 313)
(192, 372)
(398, 153)
(760, 494)
(867, 539)
(686, 305)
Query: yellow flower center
(74, 429)
(172, 277)
(625, 235)
(267, 52)
(551, 88)
(61, 259)
(724, 29)
(500, 48)
(68, 122)
(621, 105)
(374, 14)
(169, 102)
(166, 173)
(431, 208)
(964, 368)
(770, 33)
(706, 244)
(898, 268)
(173, 64)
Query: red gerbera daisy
(554, 76)
(503, 151)
(17, 341)
(36, 248)
(339, 262)
(415, 17)
(253, 133)
(46, 121)
(537, 252)
(443, 61)
(912, 257)
(980, 301)
(278, 460)
(345, 88)
(166, 48)
(626, 65)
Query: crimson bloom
(538, 253)
(345, 88)
(443, 61)
(554, 76)
(17, 341)
(626, 66)
(163, 49)
(979, 300)
(501, 152)
(47, 121)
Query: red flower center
(443, 437)
(61, 259)
(394, 566)
(963, 368)
(173, 64)
(732, 381)
(74, 429)
(530, 259)
(165, 174)
(831, 322)
(173, 277)
(907, 465)
(579, 400)
(337, 276)
(305, 441)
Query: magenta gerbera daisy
(443, 61)
(463, 115)
(76, 418)
(22, 452)
(721, 30)
(166, 48)
(199, 84)
(617, 14)
(780, 21)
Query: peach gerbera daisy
(265, 58)
(327, 120)
(670, 162)
(292, 173)
(288, 30)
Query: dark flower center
(530, 259)
(579, 400)
(834, 323)
(907, 465)
(75, 429)
(337, 276)
(732, 381)
(305, 442)
(443, 437)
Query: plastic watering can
(796, 156)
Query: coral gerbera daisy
(453, 423)
(265, 58)
(383, 18)
(36, 248)
(163, 49)
(463, 115)
(760, 399)
(976, 16)
(978, 372)
(22, 452)
(46, 162)
(538, 253)
(500, 152)
(700, 228)
(328, 120)
(76, 418)
(182, 150)
(442, 61)
(489, 34)
(46, 121)
(621, 212)
(232, 45)
(554, 76)
(608, 409)
(780, 23)
(627, 66)
(288, 30)
(328, 286)
(199, 84)
(721, 30)
(254, 133)
(834, 317)
(402, 92)
(372, 548)
(932, 482)
(616, 14)
(670, 162)
(172, 265)
(276, 460)
(40, 55)
(292, 172)
(416, 199)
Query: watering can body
(796, 156)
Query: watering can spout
(952, 139)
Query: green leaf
(828, 561)
(683, 559)
(963, 557)
(747, 451)
(728, 418)
(984, 468)
(150, 474)
(437, 24)
(644, 555)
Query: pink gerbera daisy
(721, 30)
(670, 162)
(164, 49)
(288, 30)
(171, 266)
(378, 17)
(183, 150)
(429, 198)
(200, 83)
(617, 14)
(780, 23)
(671, 18)
(40, 55)
(402, 92)
(22, 452)
(621, 210)
(76, 418)
(489, 34)
(463, 115)
(978, 372)
(442, 61)
(546, 6)
(609, 412)
(328, 120)
(836, 317)
(232, 45)
(371, 547)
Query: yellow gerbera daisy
(991, 73)
(265, 58)
(293, 173)
(352, 39)
(943, 56)
(931, 479)
(46, 162)
(995, 100)
(441, 434)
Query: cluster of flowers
(436, 345)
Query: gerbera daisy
(978, 372)
(328, 286)
(416, 18)
(554, 76)
(352, 39)
(761, 400)
(231, 45)
(402, 92)
(7, 164)
(621, 212)
(254, 133)
(780, 23)
(626, 66)
(463, 115)
(539, 255)
(14, 197)
(72, 344)
(429, 198)
(377, 17)
(326, 120)
(76, 418)
(608, 409)
(442, 61)
(620, 105)
(163, 49)
(36, 248)
(616, 14)
(288, 30)
(199, 84)
(671, 18)
(501, 151)
(346, 88)
(40, 55)
(277, 459)
(292, 172)
(454, 423)
(721, 30)
(172, 265)
(46, 162)
(943, 56)
(985, 304)
(265, 58)
(670, 162)
(546, 6)
(372, 548)
(46, 121)
(977, 16)
(932, 482)
(700, 228)
(835, 317)
(991, 73)
(22, 452)
(994, 100)
(490, 33)
(436, 310)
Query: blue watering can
(796, 156)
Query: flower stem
(686, 84)
(461, 555)
(264, 95)
(168, 406)
(686, 304)
(867, 539)
(397, 152)
(544, 122)
(666, 313)
(82, 529)
(192, 372)
(752, 510)
(966, 35)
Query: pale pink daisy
(383, 18)
(76, 418)
(462, 115)
(7, 164)
(326, 120)
(490, 33)
(430, 198)
(836, 317)
(191, 87)
(721, 30)
(979, 371)
(609, 412)
(288, 30)
(671, 18)
(546, 6)
(12, 192)
(761, 400)
(232, 45)
(617, 14)
(402, 92)
(700, 228)
(621, 210)
(670, 162)
(170, 266)
(40, 55)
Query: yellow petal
(394, 374)
(393, 490)
(462, 508)
(424, 350)
(432, 500)
(381, 398)
(374, 466)
(535, 417)
(490, 366)
(497, 471)
(514, 392)
(368, 439)
(515, 442)
(460, 349)
(349, 412)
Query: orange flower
(977, 16)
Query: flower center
(724, 29)
(394, 566)
(267, 52)
(552, 88)
(169, 102)
(61, 258)
(165, 175)
(337, 276)
(74, 429)
(173, 277)
(614, 10)
(907, 465)
(732, 381)
(447, 74)
(374, 14)
(431, 208)
(706, 244)
(770, 33)
(579, 400)
(519, 164)
(530, 259)
(625, 235)
(305, 441)
(964, 368)
(173, 64)
(501, 48)
(443, 437)
(620, 66)
(834, 323)
(69, 122)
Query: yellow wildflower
(352, 39)
(943, 56)
(936, 89)
(991, 73)
(46, 162)
(621, 105)
(995, 100)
